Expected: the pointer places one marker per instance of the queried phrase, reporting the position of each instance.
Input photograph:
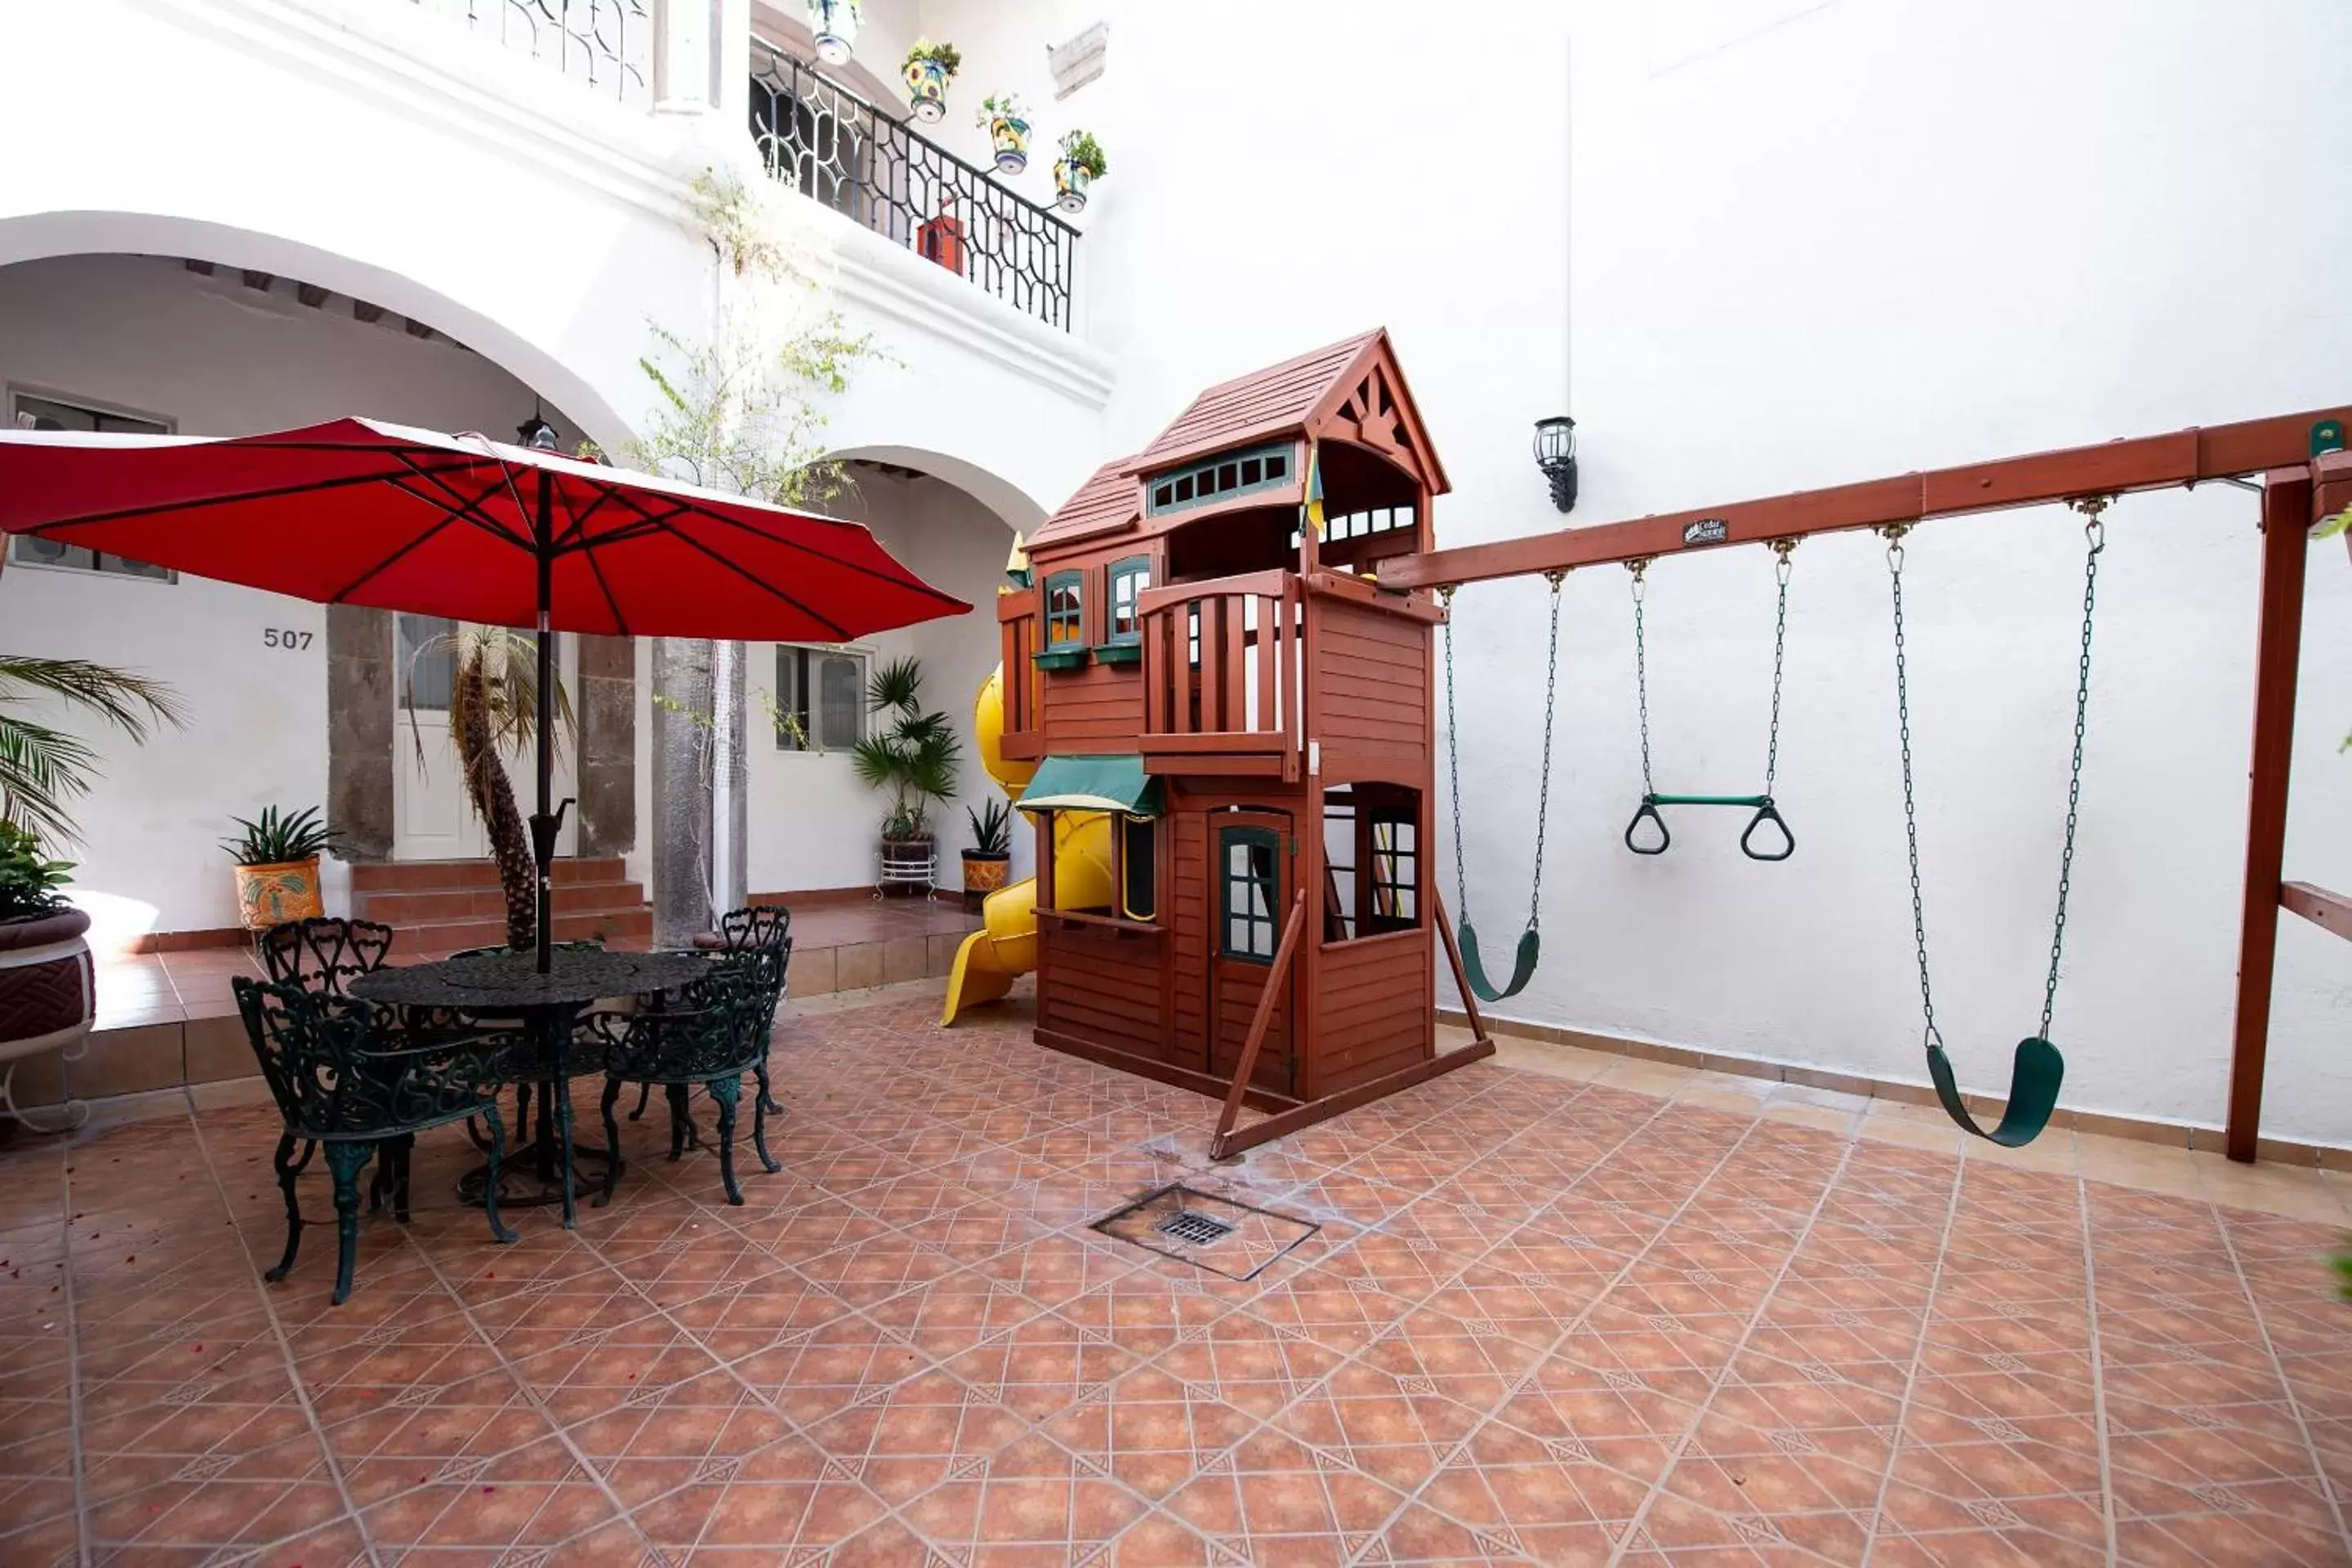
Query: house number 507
(273, 636)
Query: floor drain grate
(1208, 1232)
(1194, 1229)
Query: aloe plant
(274, 838)
(991, 828)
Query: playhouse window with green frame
(1249, 881)
(1065, 600)
(1123, 612)
(1392, 863)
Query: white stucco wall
(211, 357)
(1813, 243)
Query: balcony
(606, 46)
(1222, 685)
(834, 147)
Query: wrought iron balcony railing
(834, 147)
(606, 45)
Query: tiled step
(429, 906)
(434, 938)
(441, 876)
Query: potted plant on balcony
(835, 23)
(47, 988)
(1006, 120)
(991, 855)
(278, 866)
(914, 755)
(1081, 164)
(930, 68)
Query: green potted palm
(1006, 120)
(277, 856)
(1080, 165)
(913, 755)
(986, 863)
(928, 69)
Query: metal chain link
(1543, 791)
(2094, 538)
(1640, 569)
(1782, 548)
(1453, 756)
(1910, 805)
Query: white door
(432, 819)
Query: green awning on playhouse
(1092, 783)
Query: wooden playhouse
(1199, 652)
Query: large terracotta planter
(48, 992)
(272, 895)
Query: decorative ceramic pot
(984, 874)
(272, 895)
(835, 23)
(927, 90)
(1070, 182)
(1011, 136)
(49, 987)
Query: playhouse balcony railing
(834, 147)
(1223, 674)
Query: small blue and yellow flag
(1314, 490)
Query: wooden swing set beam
(2300, 489)
(2143, 463)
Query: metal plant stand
(508, 985)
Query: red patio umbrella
(358, 511)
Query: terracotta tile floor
(1546, 1316)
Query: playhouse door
(1250, 889)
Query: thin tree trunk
(493, 797)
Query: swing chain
(2094, 538)
(1783, 548)
(2094, 541)
(1543, 791)
(1895, 533)
(1453, 760)
(1640, 567)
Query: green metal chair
(710, 1033)
(349, 1079)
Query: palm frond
(42, 772)
(898, 684)
(509, 687)
(131, 702)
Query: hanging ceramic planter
(1080, 165)
(835, 23)
(930, 68)
(1006, 120)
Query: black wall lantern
(536, 432)
(1556, 455)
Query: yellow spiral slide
(1005, 947)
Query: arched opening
(812, 826)
(292, 704)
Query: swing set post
(2286, 527)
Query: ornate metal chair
(765, 927)
(323, 954)
(709, 1032)
(349, 1078)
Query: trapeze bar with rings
(1767, 814)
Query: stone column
(681, 802)
(361, 729)
(606, 704)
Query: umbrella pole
(545, 823)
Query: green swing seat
(1523, 964)
(2034, 1079)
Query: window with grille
(1140, 866)
(1066, 618)
(820, 698)
(1250, 883)
(29, 413)
(1219, 478)
(1128, 579)
(1394, 873)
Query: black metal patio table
(510, 986)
